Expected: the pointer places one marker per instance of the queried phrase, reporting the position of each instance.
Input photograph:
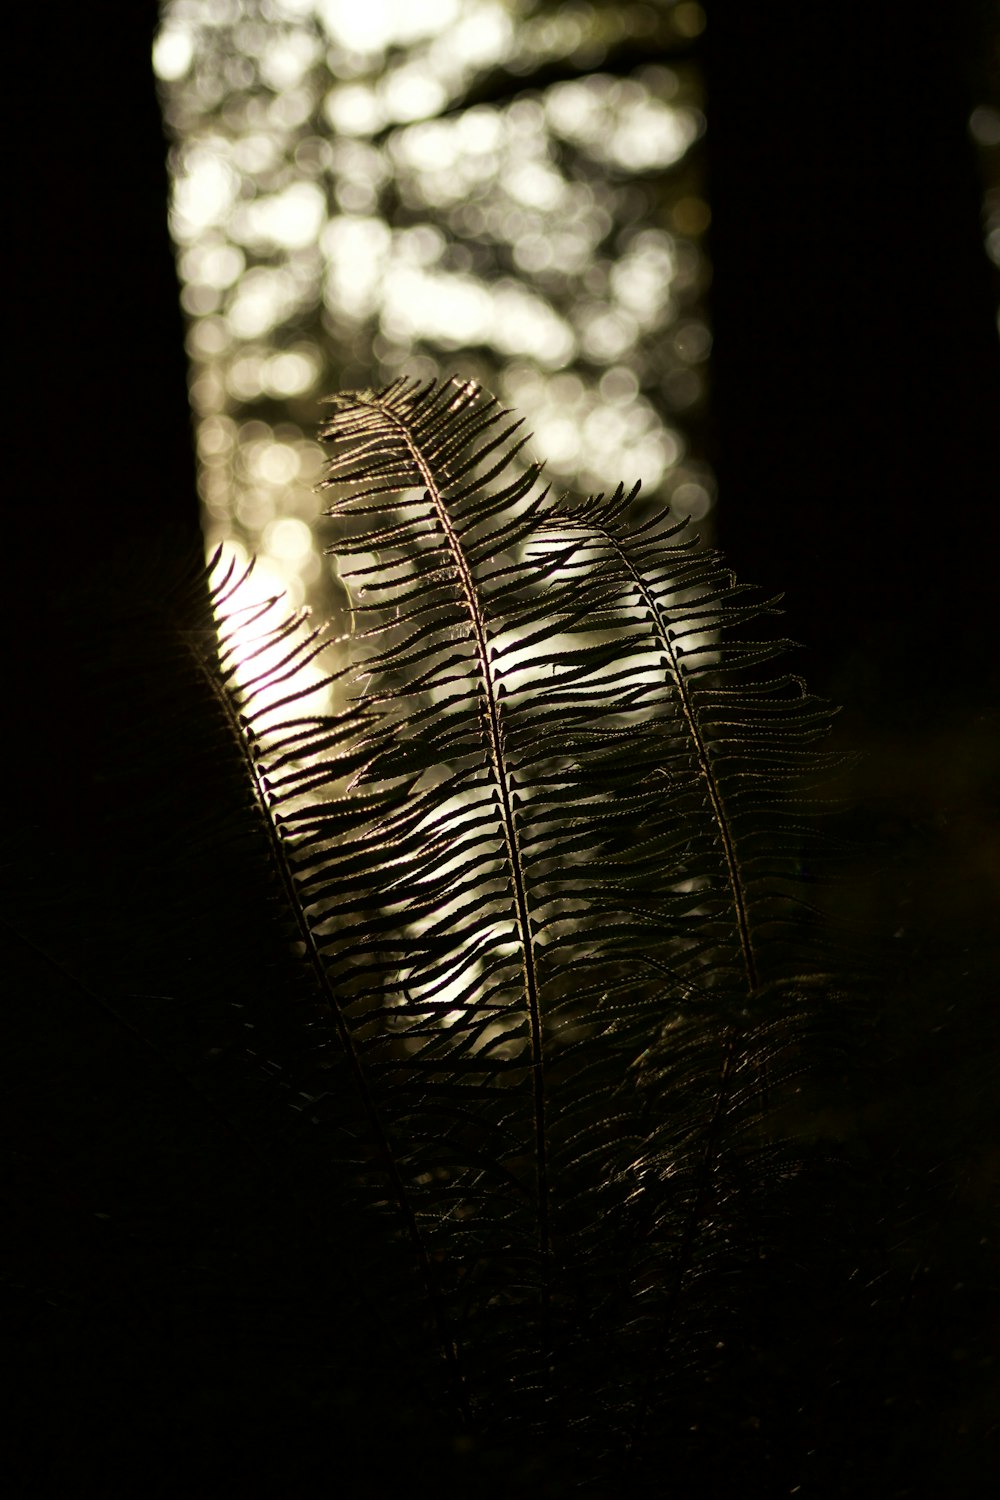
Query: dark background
(854, 397)
(856, 373)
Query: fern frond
(543, 866)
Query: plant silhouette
(544, 865)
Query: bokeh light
(362, 191)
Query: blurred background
(508, 191)
(741, 251)
(522, 193)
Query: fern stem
(719, 816)
(710, 1152)
(492, 718)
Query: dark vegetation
(197, 1279)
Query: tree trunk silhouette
(856, 368)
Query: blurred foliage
(506, 189)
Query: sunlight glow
(356, 249)
(372, 25)
(621, 122)
(288, 539)
(293, 372)
(479, 37)
(172, 54)
(267, 236)
(353, 109)
(457, 311)
(594, 433)
(330, 232)
(266, 583)
(409, 93)
(205, 188)
(265, 296)
(291, 219)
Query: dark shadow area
(186, 1291)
